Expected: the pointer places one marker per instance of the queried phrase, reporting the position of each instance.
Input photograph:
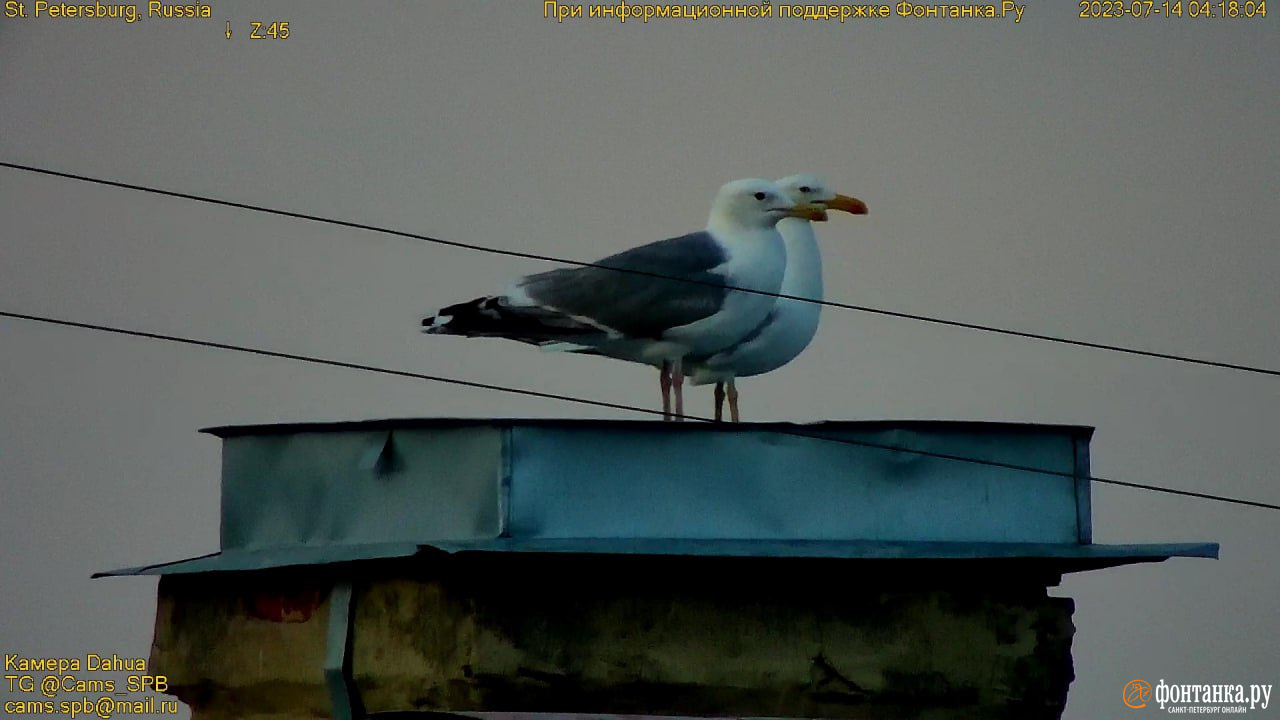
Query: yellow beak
(851, 205)
(809, 211)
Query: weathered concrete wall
(774, 638)
(243, 645)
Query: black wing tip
(437, 325)
(489, 317)
(466, 318)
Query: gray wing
(640, 305)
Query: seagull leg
(719, 395)
(677, 382)
(664, 381)
(733, 400)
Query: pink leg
(664, 381)
(677, 383)
(733, 401)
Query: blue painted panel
(664, 482)
(377, 486)
(1084, 492)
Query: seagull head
(755, 203)
(807, 188)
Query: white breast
(791, 325)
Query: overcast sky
(1108, 180)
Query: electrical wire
(597, 403)
(548, 258)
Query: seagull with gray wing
(792, 323)
(692, 295)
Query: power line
(599, 403)
(549, 258)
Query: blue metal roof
(324, 493)
(410, 423)
(1064, 557)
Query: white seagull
(695, 294)
(791, 325)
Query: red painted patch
(294, 608)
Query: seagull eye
(806, 189)
(761, 196)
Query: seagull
(791, 325)
(694, 294)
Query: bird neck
(803, 276)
